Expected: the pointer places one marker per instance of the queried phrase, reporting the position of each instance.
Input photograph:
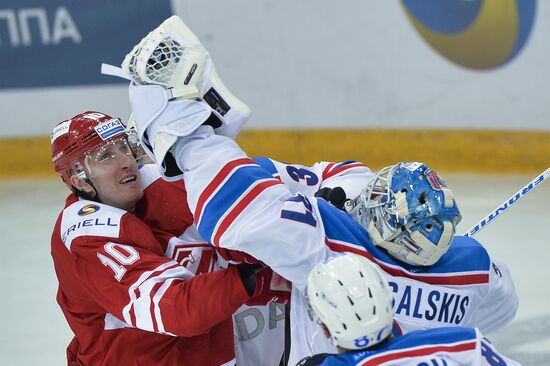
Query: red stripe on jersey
(215, 183)
(137, 292)
(206, 260)
(419, 352)
(152, 307)
(192, 245)
(463, 279)
(338, 247)
(133, 320)
(327, 169)
(342, 168)
(243, 203)
(397, 327)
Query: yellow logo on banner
(477, 34)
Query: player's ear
(82, 185)
(325, 330)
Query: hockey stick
(509, 202)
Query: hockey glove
(335, 195)
(263, 285)
(236, 256)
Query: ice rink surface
(34, 331)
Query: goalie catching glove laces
(175, 85)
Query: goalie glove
(263, 285)
(172, 56)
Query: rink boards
(475, 151)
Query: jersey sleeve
(500, 304)
(128, 278)
(239, 205)
(351, 175)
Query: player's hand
(263, 285)
(270, 287)
(335, 195)
(236, 256)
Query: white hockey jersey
(259, 330)
(437, 347)
(240, 205)
(464, 288)
(350, 175)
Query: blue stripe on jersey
(340, 226)
(267, 164)
(345, 163)
(435, 336)
(464, 255)
(230, 191)
(432, 337)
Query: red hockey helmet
(72, 139)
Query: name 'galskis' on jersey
(466, 287)
(442, 305)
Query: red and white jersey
(164, 208)
(164, 204)
(240, 205)
(129, 304)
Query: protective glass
(109, 152)
(104, 158)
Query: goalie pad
(172, 56)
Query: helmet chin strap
(85, 176)
(87, 195)
(89, 181)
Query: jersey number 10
(121, 255)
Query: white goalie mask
(408, 210)
(350, 296)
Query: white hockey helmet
(409, 211)
(349, 294)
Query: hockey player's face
(114, 172)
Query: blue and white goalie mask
(409, 211)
